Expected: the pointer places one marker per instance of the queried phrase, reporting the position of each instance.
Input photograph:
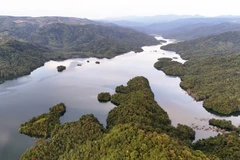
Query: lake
(78, 86)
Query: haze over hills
(147, 20)
(200, 30)
(181, 27)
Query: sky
(100, 9)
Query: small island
(61, 68)
(104, 97)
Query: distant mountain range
(215, 45)
(147, 20)
(181, 27)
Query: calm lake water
(78, 87)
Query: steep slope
(19, 58)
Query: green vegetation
(91, 40)
(19, 58)
(66, 137)
(138, 128)
(104, 97)
(216, 45)
(212, 72)
(27, 43)
(225, 147)
(171, 68)
(61, 68)
(129, 142)
(223, 124)
(43, 125)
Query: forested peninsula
(137, 128)
(26, 43)
(212, 71)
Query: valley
(79, 88)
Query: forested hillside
(225, 147)
(100, 41)
(212, 72)
(20, 58)
(215, 45)
(26, 42)
(137, 128)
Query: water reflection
(78, 87)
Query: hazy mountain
(126, 23)
(200, 30)
(159, 28)
(146, 20)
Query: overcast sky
(98, 9)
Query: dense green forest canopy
(42, 125)
(19, 58)
(27, 43)
(212, 71)
(138, 128)
(215, 80)
(225, 147)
